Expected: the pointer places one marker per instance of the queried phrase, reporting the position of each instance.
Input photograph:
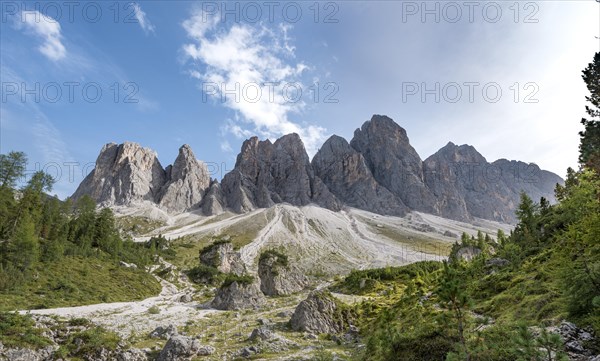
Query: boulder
(221, 256)
(497, 263)
(467, 253)
(132, 355)
(321, 313)
(164, 332)
(180, 348)
(277, 276)
(238, 296)
(261, 334)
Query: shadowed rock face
(187, 181)
(393, 162)
(346, 174)
(467, 186)
(267, 173)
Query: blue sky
(162, 67)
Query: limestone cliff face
(186, 182)
(344, 171)
(267, 173)
(393, 162)
(124, 174)
(467, 186)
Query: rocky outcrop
(223, 257)
(575, 340)
(277, 276)
(21, 354)
(262, 334)
(238, 295)
(180, 348)
(67, 335)
(164, 332)
(467, 253)
(321, 313)
(267, 173)
(124, 174)
(345, 172)
(186, 182)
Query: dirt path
(250, 251)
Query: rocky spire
(186, 182)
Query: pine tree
(589, 146)
(106, 236)
(453, 295)
(12, 168)
(23, 248)
(83, 226)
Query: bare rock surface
(223, 257)
(238, 296)
(378, 171)
(186, 182)
(321, 313)
(394, 163)
(268, 173)
(180, 348)
(345, 172)
(123, 174)
(278, 277)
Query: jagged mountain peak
(377, 170)
(457, 153)
(382, 126)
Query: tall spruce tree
(589, 147)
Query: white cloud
(226, 147)
(255, 62)
(140, 15)
(46, 28)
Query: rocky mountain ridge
(378, 171)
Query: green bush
(19, 331)
(205, 275)
(280, 258)
(242, 280)
(89, 342)
(371, 278)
